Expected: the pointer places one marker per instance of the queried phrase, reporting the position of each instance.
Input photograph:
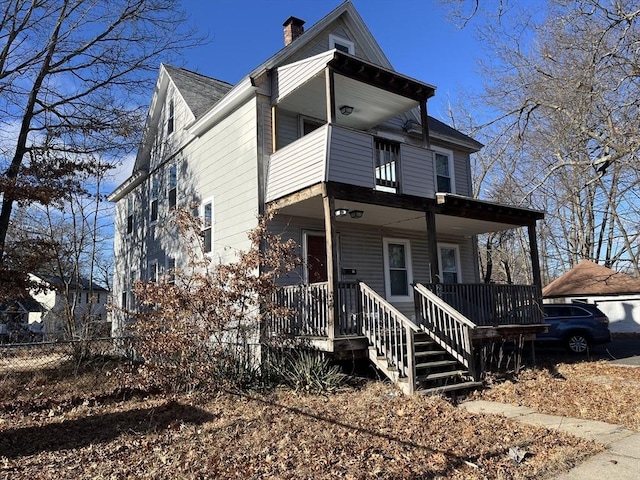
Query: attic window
(341, 44)
(170, 117)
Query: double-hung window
(170, 117)
(155, 192)
(397, 269)
(449, 260)
(444, 170)
(207, 225)
(171, 270)
(130, 207)
(153, 271)
(173, 186)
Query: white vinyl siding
(416, 166)
(351, 157)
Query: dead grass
(589, 390)
(75, 427)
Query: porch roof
(375, 93)
(455, 214)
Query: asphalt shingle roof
(199, 91)
(588, 278)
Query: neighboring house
(86, 299)
(18, 321)
(616, 294)
(376, 193)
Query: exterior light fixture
(341, 212)
(356, 213)
(346, 110)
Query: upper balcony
(338, 154)
(326, 108)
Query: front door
(316, 257)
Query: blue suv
(578, 326)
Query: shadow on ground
(96, 429)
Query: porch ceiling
(371, 105)
(392, 217)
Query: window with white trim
(207, 225)
(171, 270)
(397, 269)
(449, 263)
(155, 192)
(170, 117)
(341, 44)
(130, 207)
(154, 271)
(173, 186)
(309, 124)
(443, 160)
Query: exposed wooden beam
(309, 192)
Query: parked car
(577, 326)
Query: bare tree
(563, 91)
(70, 75)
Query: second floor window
(130, 215)
(173, 186)
(155, 190)
(444, 172)
(207, 226)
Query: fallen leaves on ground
(589, 390)
(371, 432)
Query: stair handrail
(445, 325)
(387, 329)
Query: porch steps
(436, 371)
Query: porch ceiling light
(356, 213)
(346, 110)
(341, 212)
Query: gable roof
(588, 278)
(199, 92)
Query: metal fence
(37, 356)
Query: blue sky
(414, 34)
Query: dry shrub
(199, 327)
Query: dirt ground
(57, 425)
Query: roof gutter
(232, 100)
(129, 184)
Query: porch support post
(424, 119)
(432, 242)
(330, 93)
(535, 258)
(332, 263)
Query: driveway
(623, 350)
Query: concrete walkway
(620, 461)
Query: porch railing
(307, 307)
(447, 327)
(390, 332)
(387, 155)
(490, 304)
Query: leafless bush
(197, 327)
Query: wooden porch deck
(433, 353)
(500, 307)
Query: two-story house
(375, 191)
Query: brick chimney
(293, 28)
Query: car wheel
(578, 343)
